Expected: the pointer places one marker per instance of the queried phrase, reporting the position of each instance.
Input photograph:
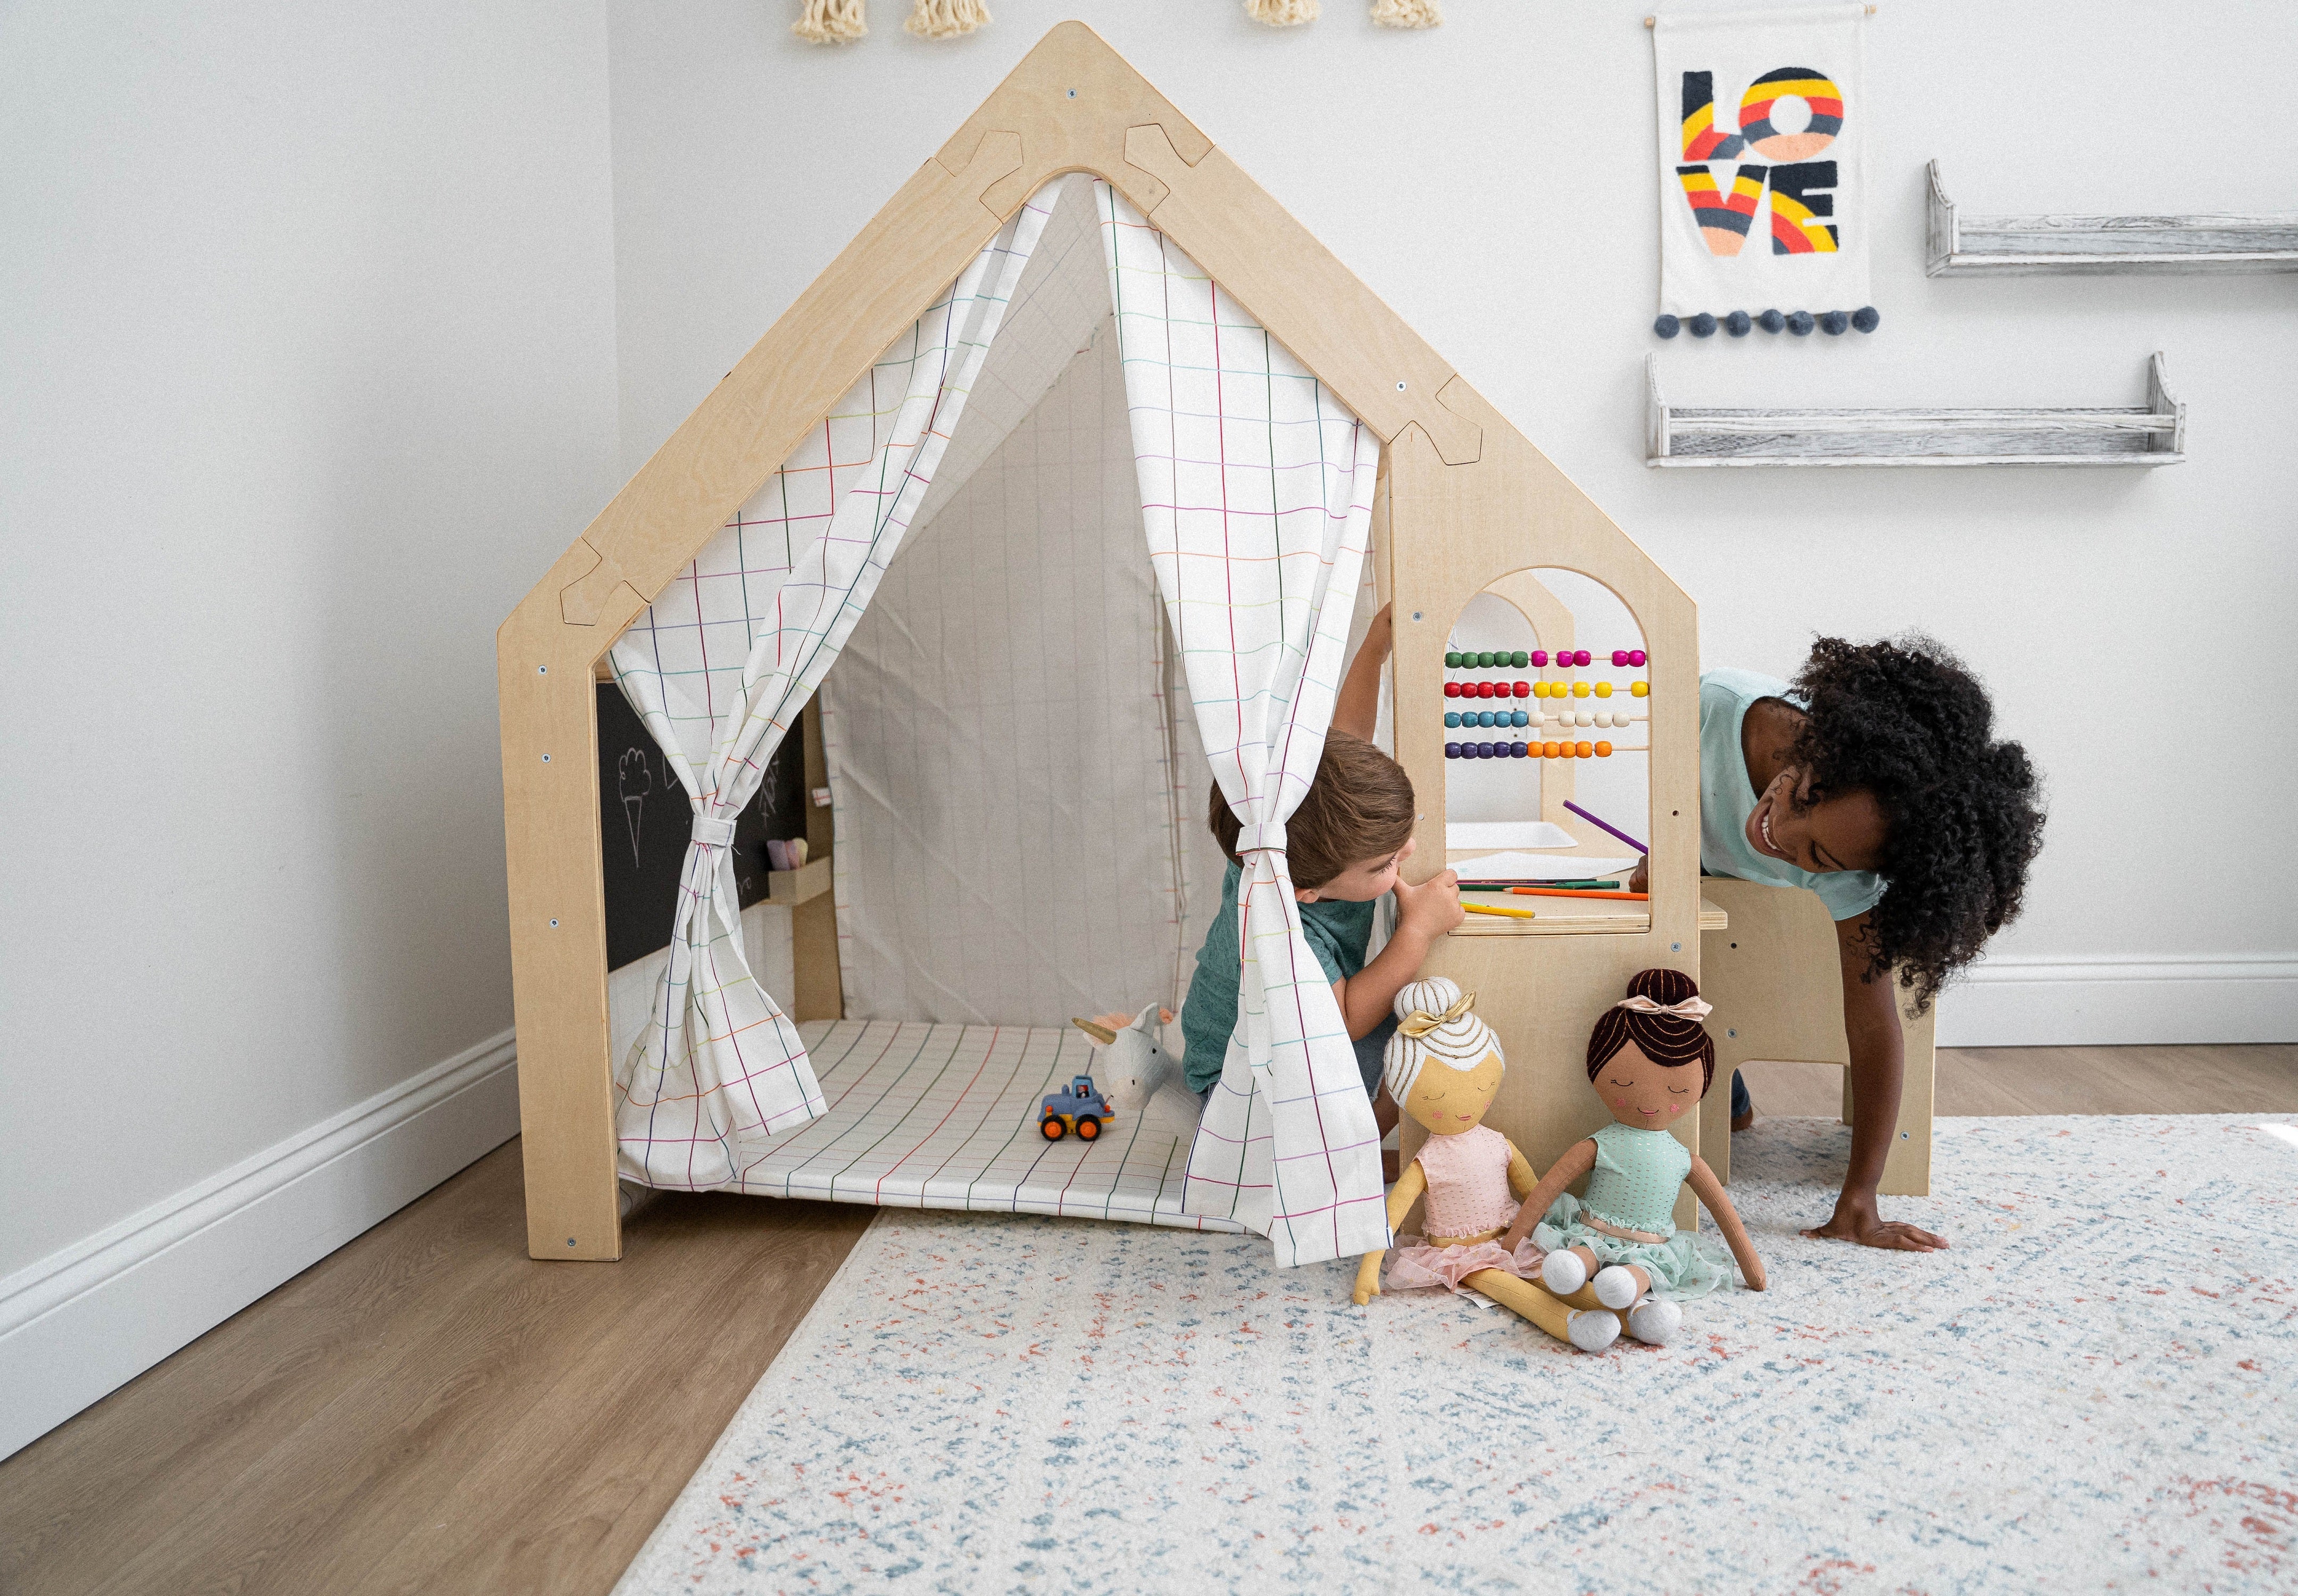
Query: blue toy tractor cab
(1080, 1108)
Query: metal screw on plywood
(2151, 434)
(2025, 246)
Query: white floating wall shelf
(2154, 435)
(2025, 246)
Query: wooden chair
(1775, 978)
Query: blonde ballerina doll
(1442, 1067)
(1620, 1243)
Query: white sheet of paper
(1538, 867)
(1505, 833)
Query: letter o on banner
(1807, 84)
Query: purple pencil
(1606, 825)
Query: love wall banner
(1763, 171)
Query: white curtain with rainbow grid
(1256, 493)
(721, 666)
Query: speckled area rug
(2095, 1389)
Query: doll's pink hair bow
(1694, 1009)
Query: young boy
(1344, 843)
(1875, 781)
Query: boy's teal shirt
(1339, 933)
(1727, 797)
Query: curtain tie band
(1267, 834)
(1420, 1021)
(1694, 1009)
(711, 831)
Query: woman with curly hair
(1875, 779)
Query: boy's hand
(1380, 634)
(1639, 877)
(1431, 908)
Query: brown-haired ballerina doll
(1624, 1232)
(1442, 1067)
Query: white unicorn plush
(1137, 1075)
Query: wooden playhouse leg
(1775, 978)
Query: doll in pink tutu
(1442, 1067)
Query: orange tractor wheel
(1051, 1128)
(1088, 1128)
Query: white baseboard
(84, 1321)
(2121, 1001)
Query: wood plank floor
(427, 1410)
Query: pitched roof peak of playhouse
(1072, 104)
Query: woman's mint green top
(1637, 1175)
(1338, 933)
(1727, 797)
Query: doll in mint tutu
(1620, 1241)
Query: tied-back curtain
(1256, 494)
(722, 663)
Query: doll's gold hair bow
(1690, 1008)
(1420, 1021)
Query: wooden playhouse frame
(1466, 501)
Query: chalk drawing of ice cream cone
(635, 781)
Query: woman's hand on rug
(1855, 1218)
(1368, 1279)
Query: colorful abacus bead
(1641, 690)
(1451, 659)
(1452, 719)
(1548, 751)
(1603, 689)
(1637, 657)
(1603, 751)
(1580, 657)
(1538, 657)
(1517, 717)
(1485, 660)
(1539, 690)
(1516, 750)
(1452, 690)
(1579, 689)
(1451, 750)
(1619, 657)
(1585, 749)
(1523, 689)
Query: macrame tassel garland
(831, 22)
(1283, 13)
(1406, 14)
(946, 19)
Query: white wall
(1492, 180)
(306, 373)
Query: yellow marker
(1495, 909)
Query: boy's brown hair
(1358, 806)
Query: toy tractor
(1080, 1108)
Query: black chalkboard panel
(644, 816)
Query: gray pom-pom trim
(1800, 323)
(1835, 323)
(1667, 327)
(1737, 324)
(1771, 321)
(1866, 318)
(1702, 326)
